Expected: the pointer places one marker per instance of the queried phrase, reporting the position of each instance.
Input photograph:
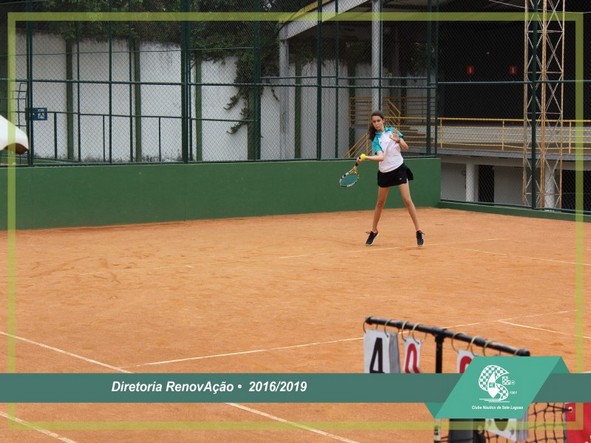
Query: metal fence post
(185, 78)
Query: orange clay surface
(278, 294)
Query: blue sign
(37, 113)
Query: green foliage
(250, 61)
(217, 41)
(101, 30)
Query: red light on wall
(470, 70)
(512, 70)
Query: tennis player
(387, 143)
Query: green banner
(505, 385)
(220, 388)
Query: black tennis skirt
(396, 177)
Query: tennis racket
(350, 177)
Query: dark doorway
(486, 184)
(569, 188)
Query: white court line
(510, 318)
(363, 249)
(297, 425)
(541, 329)
(563, 262)
(36, 428)
(253, 351)
(234, 405)
(69, 354)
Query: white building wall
(161, 137)
(218, 143)
(508, 183)
(456, 183)
(93, 98)
(49, 65)
(453, 181)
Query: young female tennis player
(387, 143)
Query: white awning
(306, 18)
(16, 139)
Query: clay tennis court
(278, 294)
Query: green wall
(48, 197)
(515, 210)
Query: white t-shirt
(391, 149)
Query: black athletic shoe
(371, 238)
(420, 240)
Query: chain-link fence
(219, 82)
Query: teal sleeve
(376, 146)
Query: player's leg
(412, 211)
(380, 203)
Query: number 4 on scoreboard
(377, 354)
(381, 353)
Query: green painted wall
(48, 197)
(514, 210)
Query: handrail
(508, 135)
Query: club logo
(494, 380)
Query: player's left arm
(398, 139)
(403, 145)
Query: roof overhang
(307, 17)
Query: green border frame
(13, 18)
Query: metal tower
(543, 102)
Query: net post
(439, 338)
